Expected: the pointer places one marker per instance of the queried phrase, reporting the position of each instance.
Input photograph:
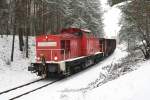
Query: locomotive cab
(44, 49)
(52, 48)
(48, 52)
(52, 51)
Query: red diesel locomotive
(68, 52)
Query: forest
(25, 18)
(49, 16)
(135, 24)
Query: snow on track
(15, 73)
(132, 86)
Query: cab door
(65, 49)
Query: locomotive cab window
(65, 45)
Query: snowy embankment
(132, 86)
(14, 73)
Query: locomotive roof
(68, 33)
(75, 30)
(64, 35)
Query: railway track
(6, 91)
(14, 93)
(25, 89)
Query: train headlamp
(37, 58)
(55, 58)
(46, 37)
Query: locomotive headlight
(37, 58)
(55, 58)
(46, 37)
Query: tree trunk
(21, 42)
(27, 46)
(12, 51)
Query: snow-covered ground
(15, 73)
(132, 86)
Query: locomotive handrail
(60, 50)
(54, 50)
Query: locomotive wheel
(68, 71)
